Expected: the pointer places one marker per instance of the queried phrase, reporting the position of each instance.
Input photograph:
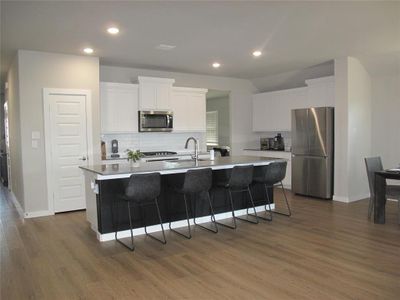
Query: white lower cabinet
(119, 107)
(287, 182)
(189, 108)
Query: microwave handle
(169, 121)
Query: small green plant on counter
(134, 155)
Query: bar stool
(271, 175)
(239, 182)
(196, 182)
(142, 188)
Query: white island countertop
(124, 170)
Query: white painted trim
(177, 224)
(47, 139)
(340, 199)
(146, 79)
(39, 213)
(189, 90)
(351, 199)
(17, 204)
(119, 86)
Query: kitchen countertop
(179, 154)
(124, 170)
(253, 149)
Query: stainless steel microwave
(155, 121)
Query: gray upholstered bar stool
(196, 182)
(270, 176)
(239, 182)
(142, 189)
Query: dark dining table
(380, 193)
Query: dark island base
(172, 207)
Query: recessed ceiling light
(88, 50)
(165, 47)
(113, 30)
(216, 65)
(257, 53)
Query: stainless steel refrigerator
(312, 151)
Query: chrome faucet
(196, 147)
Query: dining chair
(374, 164)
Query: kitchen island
(105, 182)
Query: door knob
(83, 158)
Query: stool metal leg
(163, 241)
(132, 246)
(254, 209)
(233, 213)
(289, 213)
(187, 218)
(265, 207)
(212, 217)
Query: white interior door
(67, 132)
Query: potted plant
(134, 157)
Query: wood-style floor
(326, 250)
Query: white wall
(360, 127)
(14, 118)
(352, 129)
(222, 106)
(38, 70)
(385, 119)
(241, 92)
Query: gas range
(158, 153)
(160, 156)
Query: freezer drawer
(312, 176)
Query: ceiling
(292, 35)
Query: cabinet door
(179, 108)
(196, 108)
(260, 111)
(189, 108)
(321, 92)
(119, 107)
(272, 110)
(148, 96)
(163, 96)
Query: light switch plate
(35, 144)
(35, 135)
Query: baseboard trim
(351, 199)
(39, 213)
(177, 224)
(17, 204)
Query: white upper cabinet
(155, 93)
(189, 108)
(119, 107)
(321, 92)
(272, 110)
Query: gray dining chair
(374, 164)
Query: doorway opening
(218, 119)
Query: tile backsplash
(153, 141)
